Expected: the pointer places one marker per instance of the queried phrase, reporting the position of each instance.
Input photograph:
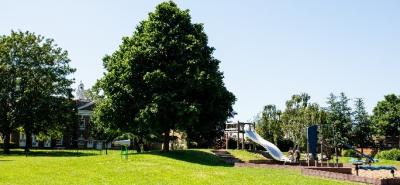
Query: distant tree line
(340, 120)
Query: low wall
(332, 169)
(343, 176)
(302, 163)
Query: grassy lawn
(178, 167)
(245, 155)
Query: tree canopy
(35, 91)
(269, 124)
(164, 77)
(339, 115)
(298, 115)
(337, 121)
(362, 125)
(386, 116)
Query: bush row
(349, 153)
(393, 154)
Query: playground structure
(239, 130)
(318, 155)
(271, 148)
(235, 130)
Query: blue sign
(312, 139)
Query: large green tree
(339, 116)
(35, 91)
(298, 115)
(7, 97)
(361, 129)
(100, 130)
(386, 116)
(269, 124)
(164, 77)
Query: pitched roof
(85, 105)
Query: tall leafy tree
(361, 131)
(298, 115)
(37, 95)
(269, 124)
(100, 130)
(339, 115)
(165, 78)
(386, 116)
(7, 95)
(293, 118)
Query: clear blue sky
(269, 49)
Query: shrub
(393, 154)
(284, 144)
(349, 153)
(11, 146)
(232, 144)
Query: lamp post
(336, 147)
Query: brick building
(76, 136)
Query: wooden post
(316, 162)
(226, 136)
(322, 150)
(237, 136)
(308, 153)
(254, 144)
(226, 140)
(243, 139)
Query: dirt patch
(377, 174)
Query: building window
(81, 140)
(90, 142)
(82, 124)
(81, 136)
(60, 141)
(22, 136)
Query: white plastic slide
(271, 148)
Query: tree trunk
(141, 144)
(131, 144)
(106, 147)
(337, 157)
(28, 141)
(137, 146)
(399, 142)
(6, 146)
(166, 141)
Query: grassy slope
(245, 155)
(178, 167)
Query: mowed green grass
(246, 156)
(177, 167)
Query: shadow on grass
(192, 156)
(1, 160)
(51, 153)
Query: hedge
(393, 154)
